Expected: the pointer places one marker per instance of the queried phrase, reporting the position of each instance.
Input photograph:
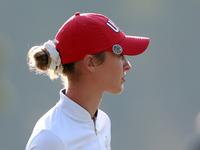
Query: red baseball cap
(89, 33)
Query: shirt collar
(72, 109)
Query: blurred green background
(158, 107)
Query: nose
(126, 65)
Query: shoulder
(49, 120)
(45, 140)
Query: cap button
(77, 14)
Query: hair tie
(55, 57)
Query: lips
(123, 78)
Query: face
(112, 73)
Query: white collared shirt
(68, 126)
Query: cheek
(112, 72)
(110, 77)
(116, 73)
(118, 69)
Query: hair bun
(43, 61)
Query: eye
(122, 56)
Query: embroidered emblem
(117, 49)
(107, 144)
(112, 26)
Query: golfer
(88, 54)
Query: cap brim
(134, 45)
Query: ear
(89, 63)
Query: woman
(88, 54)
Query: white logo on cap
(112, 26)
(117, 49)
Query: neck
(86, 95)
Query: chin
(116, 91)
